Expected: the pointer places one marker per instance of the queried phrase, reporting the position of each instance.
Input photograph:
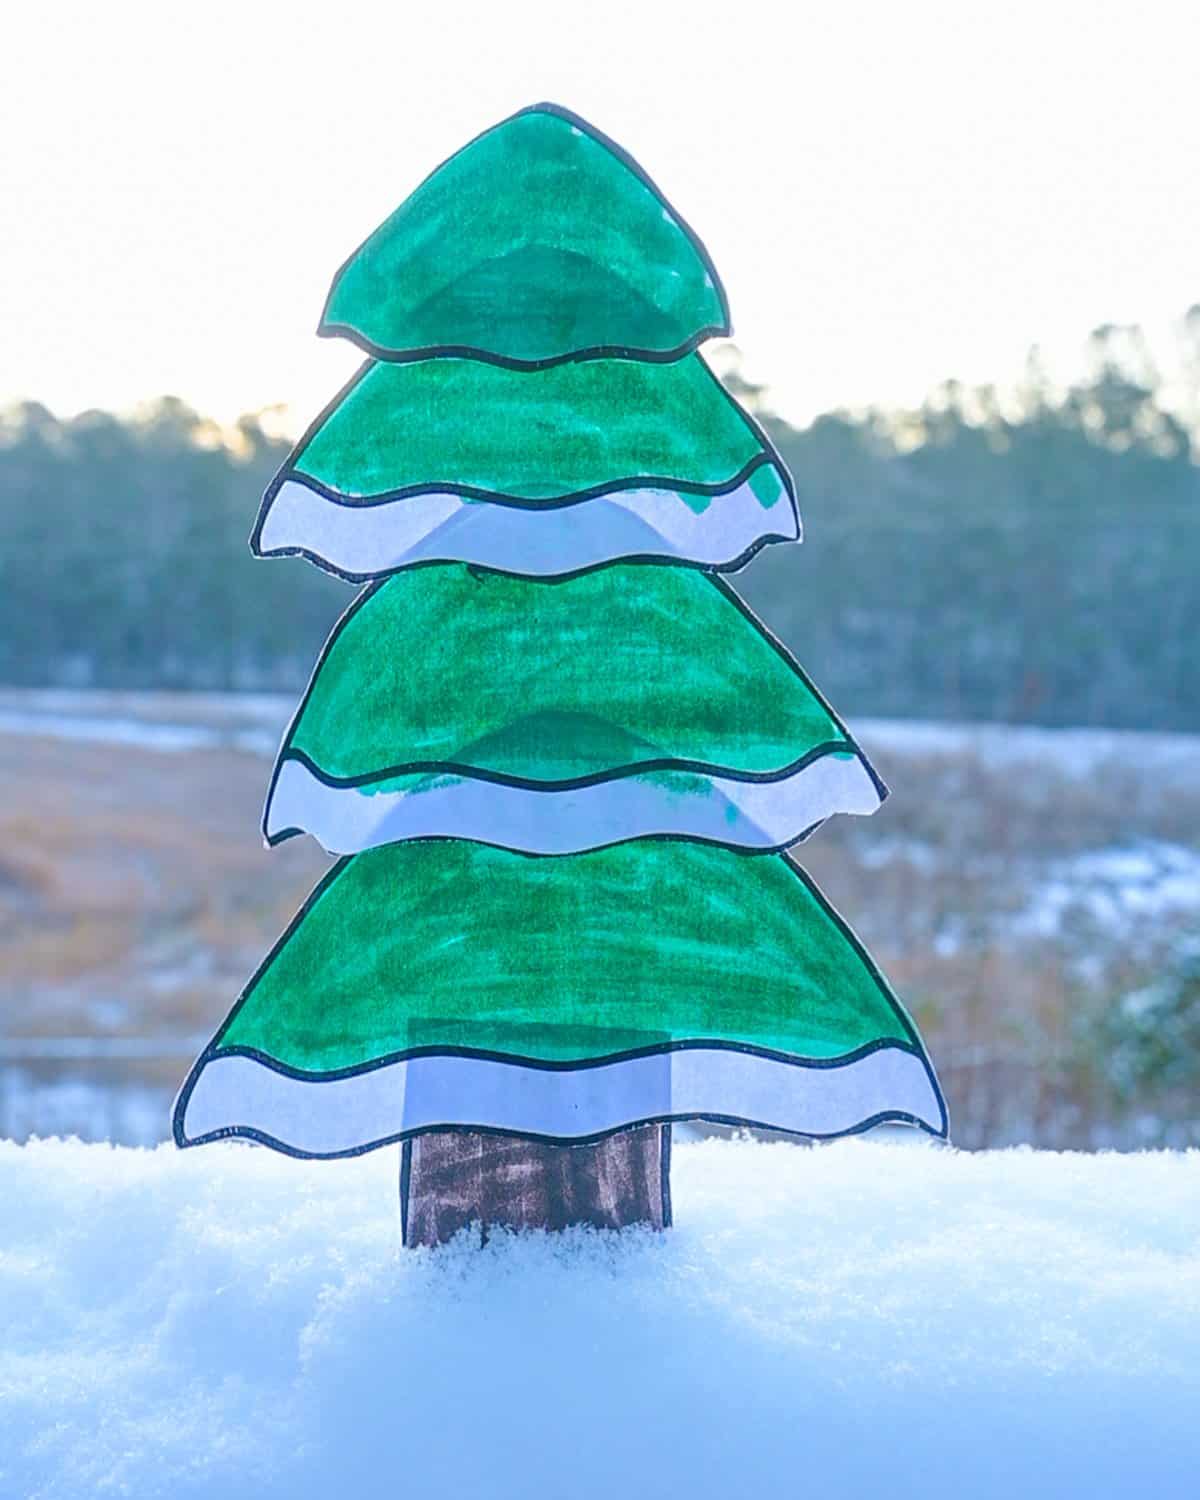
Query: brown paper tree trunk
(452, 1178)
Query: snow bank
(857, 1320)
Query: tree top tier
(540, 241)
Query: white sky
(893, 193)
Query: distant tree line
(1029, 555)
(1032, 555)
(124, 560)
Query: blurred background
(963, 257)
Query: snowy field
(857, 1320)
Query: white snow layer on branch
(866, 1319)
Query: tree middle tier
(551, 717)
(536, 472)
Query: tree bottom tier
(344, 1116)
(436, 984)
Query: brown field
(136, 898)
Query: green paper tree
(558, 755)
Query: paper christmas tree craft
(560, 758)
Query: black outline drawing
(327, 329)
(213, 1050)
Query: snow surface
(865, 1319)
(174, 738)
(1119, 890)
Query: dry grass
(135, 881)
